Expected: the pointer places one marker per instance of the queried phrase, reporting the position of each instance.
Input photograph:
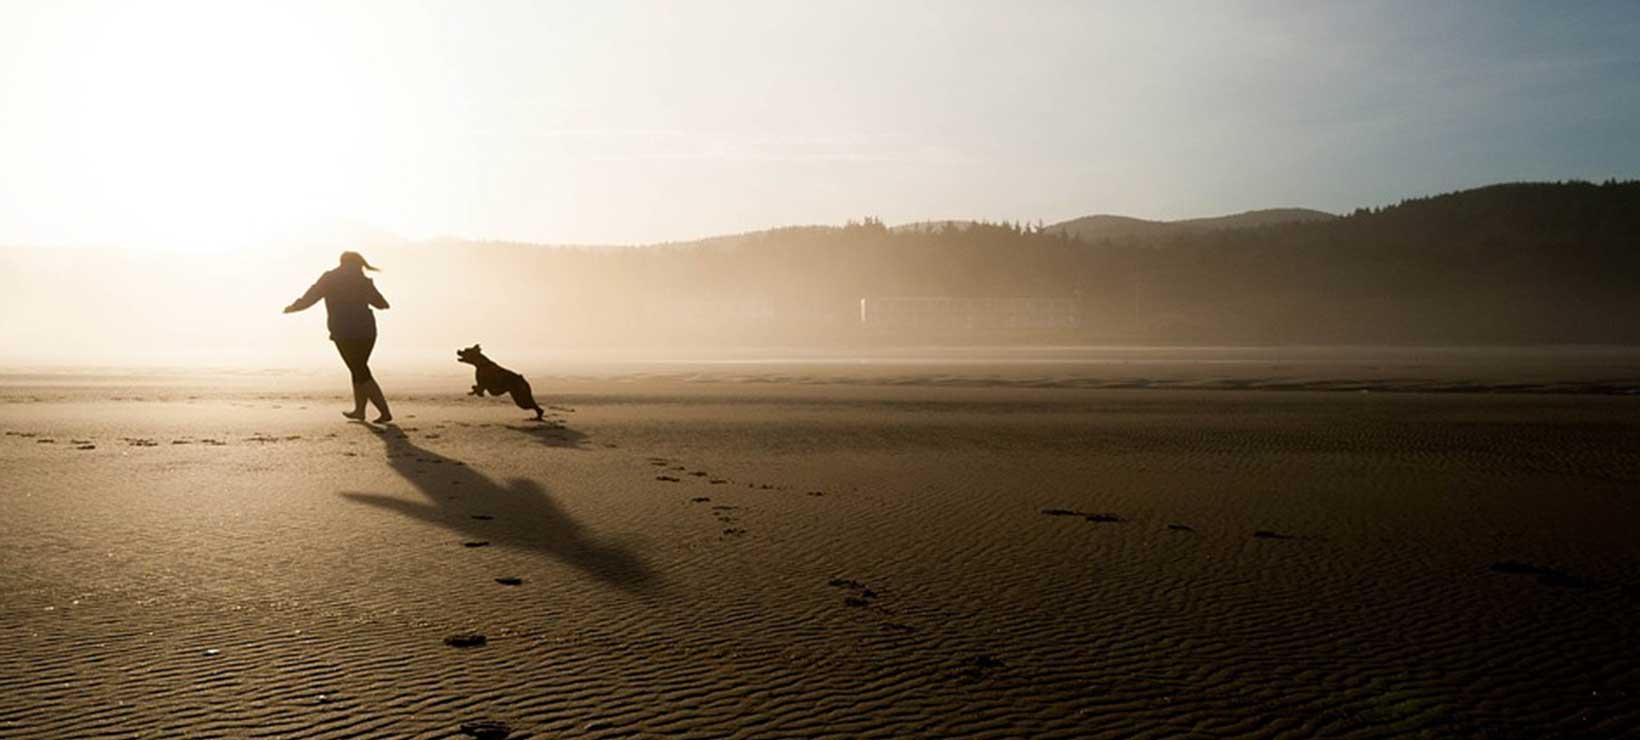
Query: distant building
(968, 314)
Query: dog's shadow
(520, 514)
(553, 434)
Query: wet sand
(792, 557)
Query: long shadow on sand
(520, 514)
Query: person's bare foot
(383, 419)
(354, 415)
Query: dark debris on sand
(510, 581)
(476, 543)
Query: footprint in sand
(45, 441)
(510, 581)
(482, 517)
(717, 481)
(476, 543)
(1104, 518)
(722, 512)
(817, 493)
(699, 500)
(897, 627)
(1265, 534)
(1181, 527)
(667, 478)
(980, 667)
(862, 596)
(1061, 512)
(86, 447)
(465, 640)
(486, 729)
(1546, 576)
(733, 532)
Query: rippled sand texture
(771, 560)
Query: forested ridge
(1513, 263)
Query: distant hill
(1101, 227)
(1123, 228)
(1526, 263)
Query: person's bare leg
(357, 414)
(379, 400)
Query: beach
(821, 552)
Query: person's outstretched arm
(309, 298)
(376, 298)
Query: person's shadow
(521, 514)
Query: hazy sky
(211, 123)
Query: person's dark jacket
(348, 296)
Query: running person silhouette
(348, 297)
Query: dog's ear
(475, 348)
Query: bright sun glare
(205, 126)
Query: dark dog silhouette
(498, 380)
